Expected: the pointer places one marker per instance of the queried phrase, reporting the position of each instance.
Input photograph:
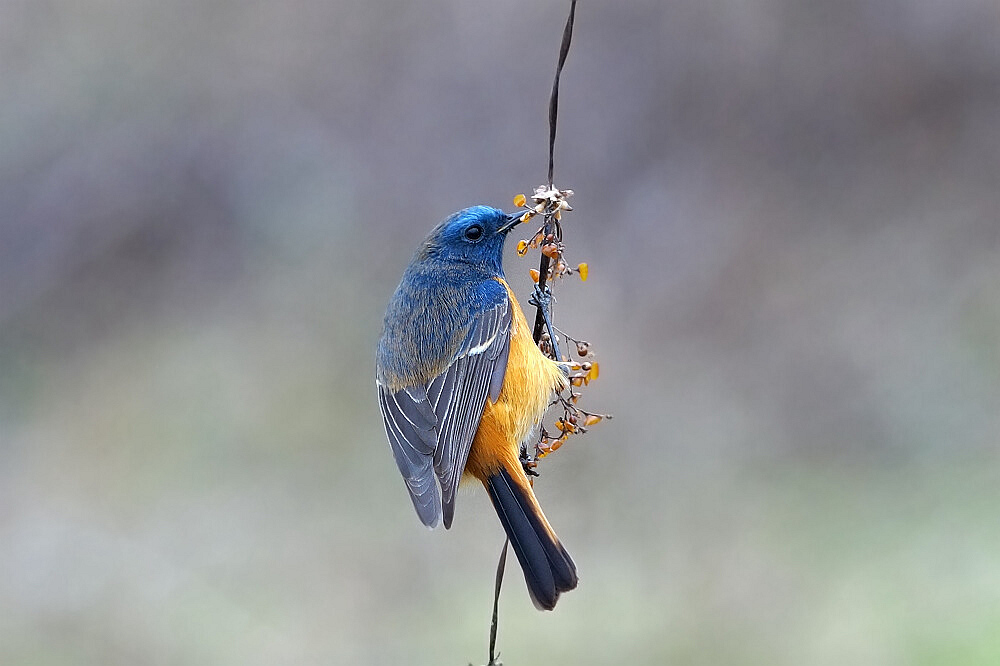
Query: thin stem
(496, 603)
(541, 319)
(554, 99)
(543, 277)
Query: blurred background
(791, 214)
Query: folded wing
(431, 428)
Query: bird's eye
(474, 233)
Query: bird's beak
(513, 219)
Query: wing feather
(459, 410)
(412, 447)
(431, 428)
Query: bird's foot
(543, 299)
(528, 462)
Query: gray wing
(431, 428)
(409, 424)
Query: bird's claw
(543, 299)
(528, 462)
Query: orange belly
(527, 390)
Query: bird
(462, 384)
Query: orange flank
(527, 390)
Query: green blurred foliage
(790, 213)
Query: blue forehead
(486, 215)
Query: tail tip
(546, 601)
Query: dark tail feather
(548, 569)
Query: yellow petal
(534, 274)
(592, 419)
(583, 269)
(593, 372)
(519, 200)
(522, 247)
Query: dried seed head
(582, 348)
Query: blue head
(471, 236)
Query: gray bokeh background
(791, 214)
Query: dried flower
(550, 202)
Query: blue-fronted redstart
(462, 384)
